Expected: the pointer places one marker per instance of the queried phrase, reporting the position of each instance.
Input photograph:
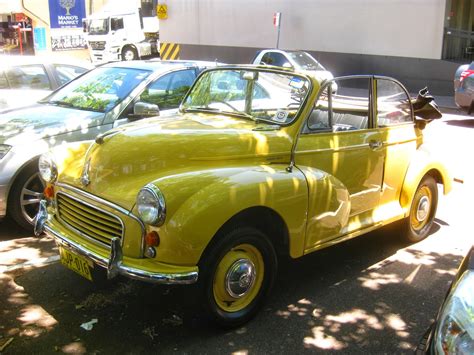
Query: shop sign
(67, 13)
(67, 40)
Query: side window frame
(371, 107)
(41, 66)
(376, 78)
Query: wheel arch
(421, 165)
(21, 170)
(262, 218)
(131, 45)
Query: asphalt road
(374, 294)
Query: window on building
(458, 42)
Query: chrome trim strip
(82, 234)
(130, 272)
(341, 149)
(113, 206)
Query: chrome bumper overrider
(114, 263)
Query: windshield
(98, 26)
(257, 95)
(100, 89)
(305, 61)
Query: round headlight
(455, 329)
(47, 168)
(151, 205)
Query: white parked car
(299, 60)
(26, 79)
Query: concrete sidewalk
(21, 251)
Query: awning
(9, 6)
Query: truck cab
(124, 35)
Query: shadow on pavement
(10, 230)
(467, 123)
(360, 294)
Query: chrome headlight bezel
(151, 205)
(4, 149)
(456, 322)
(48, 168)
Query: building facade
(420, 42)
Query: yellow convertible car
(259, 162)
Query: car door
(396, 128)
(341, 154)
(27, 84)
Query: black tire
(238, 251)
(23, 205)
(470, 110)
(422, 211)
(129, 53)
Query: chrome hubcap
(30, 197)
(423, 209)
(240, 278)
(128, 55)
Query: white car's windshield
(257, 95)
(305, 61)
(99, 90)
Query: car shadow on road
(466, 123)
(359, 293)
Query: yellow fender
(423, 162)
(199, 203)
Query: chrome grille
(88, 220)
(97, 45)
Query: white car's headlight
(151, 205)
(455, 328)
(47, 168)
(4, 149)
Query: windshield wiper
(60, 103)
(216, 110)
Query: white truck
(121, 34)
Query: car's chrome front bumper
(115, 264)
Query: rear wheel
(25, 196)
(422, 211)
(237, 274)
(129, 53)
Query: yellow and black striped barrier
(169, 51)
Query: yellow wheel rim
(238, 278)
(421, 208)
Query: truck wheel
(422, 211)
(129, 53)
(237, 275)
(24, 197)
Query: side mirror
(287, 65)
(144, 109)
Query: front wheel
(237, 274)
(25, 196)
(129, 53)
(422, 211)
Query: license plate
(76, 263)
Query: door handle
(375, 144)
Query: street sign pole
(276, 23)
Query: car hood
(131, 156)
(24, 125)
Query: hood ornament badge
(85, 180)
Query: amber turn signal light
(152, 239)
(48, 192)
